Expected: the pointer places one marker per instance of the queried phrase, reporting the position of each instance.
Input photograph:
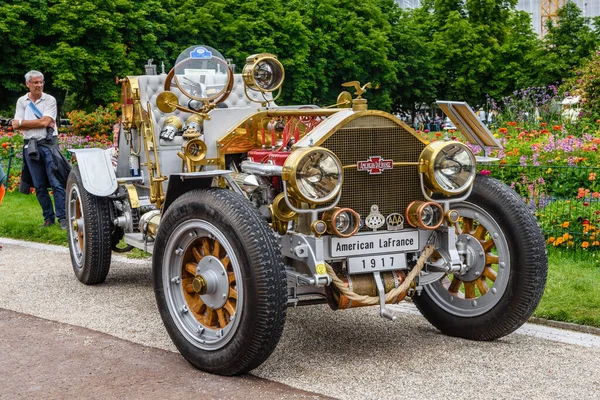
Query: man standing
(35, 117)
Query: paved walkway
(46, 359)
(350, 354)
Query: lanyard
(35, 110)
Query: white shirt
(47, 106)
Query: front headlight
(314, 175)
(448, 167)
(263, 72)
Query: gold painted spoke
(189, 288)
(469, 290)
(225, 261)
(229, 307)
(231, 276)
(455, 285)
(480, 232)
(232, 293)
(196, 253)
(191, 268)
(221, 315)
(216, 249)
(482, 285)
(467, 225)
(211, 317)
(205, 247)
(197, 305)
(489, 273)
(488, 245)
(491, 259)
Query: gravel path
(352, 354)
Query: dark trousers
(42, 174)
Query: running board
(137, 240)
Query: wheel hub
(199, 284)
(474, 257)
(211, 278)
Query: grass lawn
(572, 291)
(21, 218)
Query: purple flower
(523, 161)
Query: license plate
(381, 262)
(375, 243)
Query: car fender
(186, 181)
(97, 171)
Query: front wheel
(219, 281)
(507, 267)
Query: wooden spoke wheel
(506, 267)
(89, 231)
(219, 281)
(209, 283)
(205, 303)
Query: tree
(472, 47)
(568, 43)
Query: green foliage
(568, 43)
(586, 84)
(451, 49)
(479, 47)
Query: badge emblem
(375, 165)
(395, 222)
(375, 219)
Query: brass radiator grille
(391, 190)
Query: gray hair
(33, 74)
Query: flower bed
(87, 130)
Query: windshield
(201, 73)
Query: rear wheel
(220, 282)
(89, 231)
(507, 267)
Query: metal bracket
(309, 250)
(383, 311)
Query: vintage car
(249, 208)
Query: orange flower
(551, 240)
(592, 176)
(565, 225)
(5, 144)
(557, 128)
(585, 245)
(543, 124)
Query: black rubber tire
(526, 279)
(264, 299)
(91, 261)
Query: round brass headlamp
(448, 167)
(263, 72)
(314, 175)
